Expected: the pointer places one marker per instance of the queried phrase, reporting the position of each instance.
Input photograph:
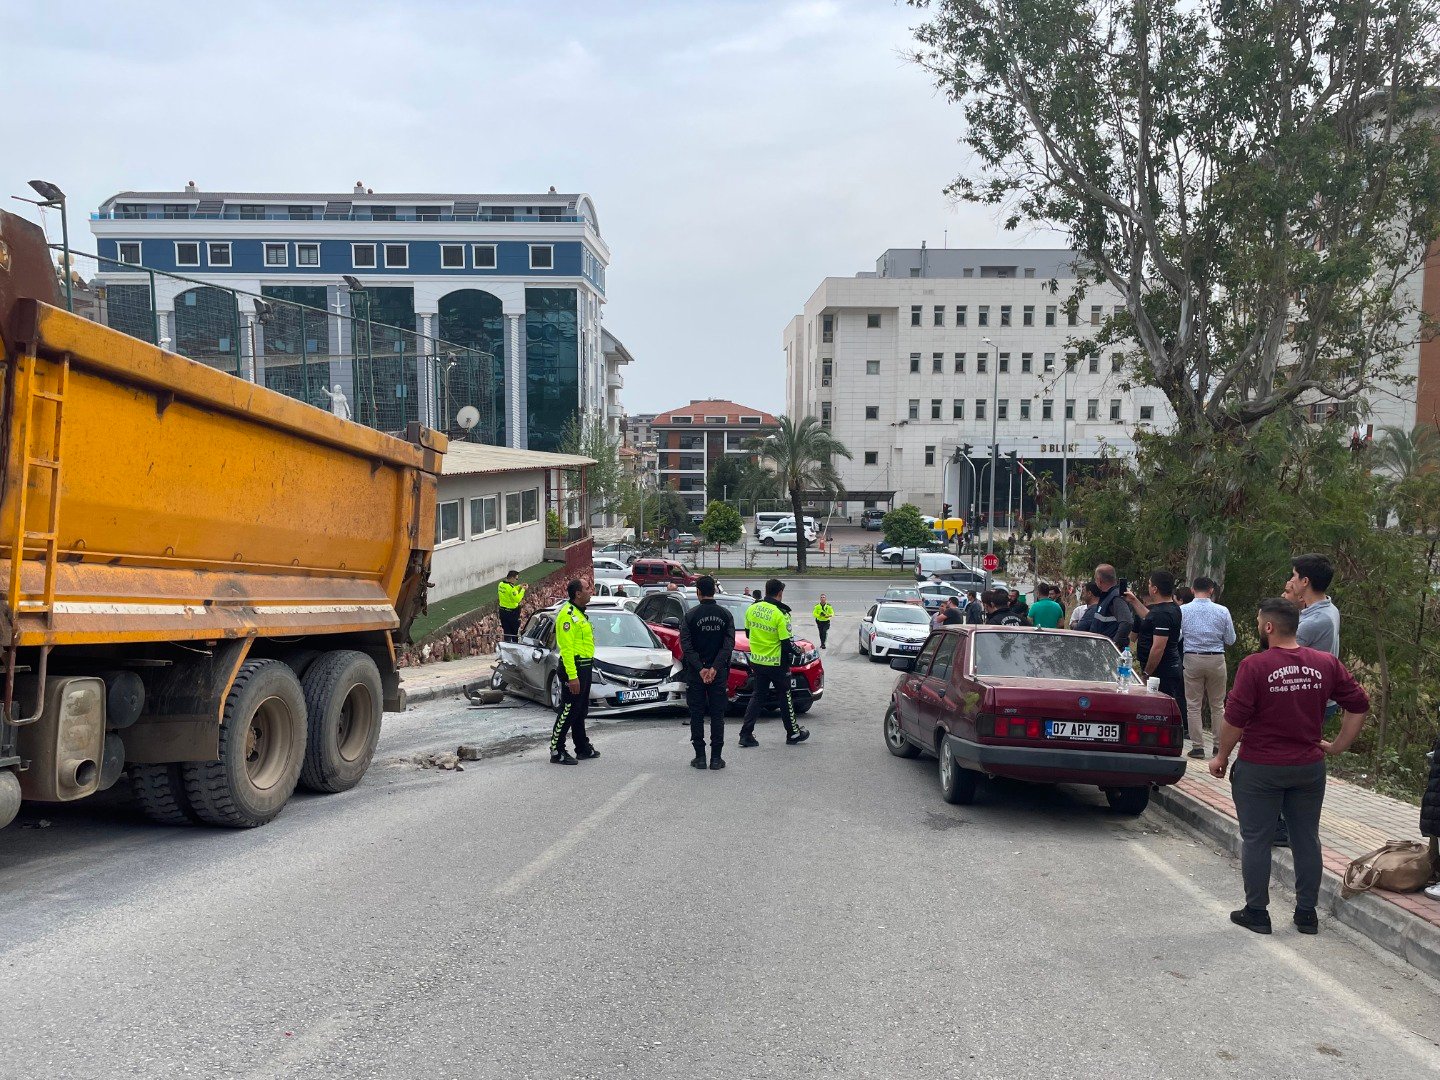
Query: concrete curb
(1392, 928)
(450, 688)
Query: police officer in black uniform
(707, 638)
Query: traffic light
(965, 448)
(945, 510)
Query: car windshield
(1043, 656)
(621, 630)
(736, 605)
(902, 594)
(902, 613)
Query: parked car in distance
(901, 555)
(1034, 705)
(893, 629)
(933, 595)
(967, 580)
(649, 571)
(901, 594)
(783, 533)
(769, 518)
(633, 670)
(608, 566)
(625, 551)
(619, 586)
(872, 519)
(663, 612)
(686, 542)
(940, 563)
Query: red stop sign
(991, 562)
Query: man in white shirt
(1207, 629)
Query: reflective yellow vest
(766, 626)
(511, 596)
(824, 612)
(574, 638)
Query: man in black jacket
(707, 637)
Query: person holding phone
(1111, 614)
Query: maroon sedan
(1032, 704)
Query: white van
(937, 562)
(767, 520)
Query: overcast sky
(738, 150)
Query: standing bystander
(1207, 629)
(823, 614)
(1110, 614)
(1159, 640)
(707, 638)
(1276, 712)
(1046, 611)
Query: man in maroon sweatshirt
(1276, 712)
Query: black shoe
(1256, 919)
(716, 761)
(799, 737)
(749, 740)
(698, 761)
(588, 753)
(1197, 752)
(1306, 921)
(561, 757)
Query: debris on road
(468, 753)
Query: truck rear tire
(9, 797)
(159, 791)
(262, 747)
(343, 702)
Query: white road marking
(567, 843)
(1422, 1051)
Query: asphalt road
(811, 911)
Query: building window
(483, 256)
(1072, 317)
(1002, 409)
(872, 412)
(960, 315)
(277, 255)
(936, 404)
(984, 316)
(979, 408)
(484, 515)
(1070, 360)
(1027, 362)
(1094, 365)
(187, 253)
(1004, 314)
(1118, 310)
(1092, 409)
(1070, 408)
(1049, 361)
(914, 363)
(872, 367)
(129, 252)
(362, 256)
(929, 455)
(872, 321)
(1027, 316)
(969, 271)
(872, 457)
(542, 256)
(397, 256)
(982, 362)
(937, 363)
(1029, 271)
(1004, 363)
(1047, 409)
(914, 271)
(915, 315)
(1025, 408)
(957, 411)
(522, 507)
(307, 254)
(827, 369)
(825, 414)
(1147, 412)
(447, 522)
(1095, 314)
(827, 328)
(1049, 314)
(913, 412)
(1114, 410)
(1115, 362)
(959, 363)
(452, 256)
(218, 254)
(939, 315)
(301, 213)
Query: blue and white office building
(519, 276)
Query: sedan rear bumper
(1067, 765)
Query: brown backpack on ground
(1399, 866)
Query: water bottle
(1124, 669)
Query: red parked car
(647, 571)
(662, 612)
(1032, 704)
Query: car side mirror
(538, 654)
(671, 623)
(902, 663)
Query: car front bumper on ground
(606, 700)
(1067, 765)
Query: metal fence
(340, 348)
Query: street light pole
(994, 449)
(1065, 453)
(55, 198)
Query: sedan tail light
(1150, 734)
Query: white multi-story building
(938, 347)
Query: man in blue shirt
(1207, 629)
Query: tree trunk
(1206, 556)
(799, 531)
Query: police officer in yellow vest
(576, 642)
(767, 624)
(823, 614)
(512, 595)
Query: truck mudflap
(184, 703)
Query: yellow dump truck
(205, 581)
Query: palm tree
(1404, 454)
(803, 456)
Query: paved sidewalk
(1354, 821)
(426, 682)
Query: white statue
(339, 404)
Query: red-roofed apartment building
(689, 438)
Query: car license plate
(908, 648)
(797, 682)
(1087, 732)
(625, 697)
